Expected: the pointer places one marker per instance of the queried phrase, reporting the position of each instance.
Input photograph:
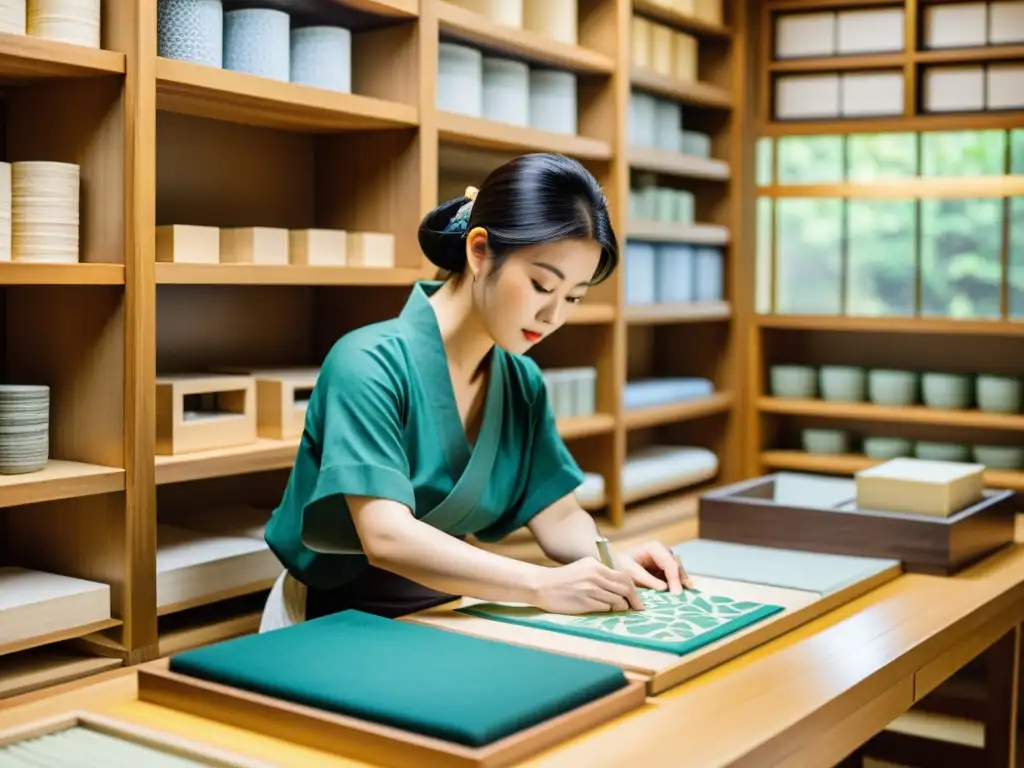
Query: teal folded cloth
(429, 681)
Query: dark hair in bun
(533, 199)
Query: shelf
(697, 94)
(657, 10)
(59, 480)
(168, 273)
(59, 636)
(208, 624)
(591, 314)
(392, 9)
(893, 324)
(237, 97)
(667, 232)
(677, 164)
(586, 426)
(840, 63)
(261, 456)
(913, 414)
(920, 187)
(985, 121)
(969, 55)
(28, 671)
(27, 57)
(848, 464)
(686, 410)
(687, 312)
(477, 29)
(29, 273)
(488, 134)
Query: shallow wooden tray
(827, 520)
(661, 670)
(361, 739)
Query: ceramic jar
(191, 30)
(322, 57)
(257, 41)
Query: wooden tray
(361, 739)
(826, 519)
(661, 670)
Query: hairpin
(460, 221)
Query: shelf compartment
(28, 57)
(261, 456)
(575, 427)
(59, 480)
(292, 274)
(474, 28)
(237, 97)
(694, 93)
(667, 232)
(29, 273)
(592, 314)
(686, 312)
(848, 464)
(677, 164)
(892, 324)
(208, 624)
(44, 667)
(685, 410)
(684, 22)
(391, 9)
(914, 414)
(489, 134)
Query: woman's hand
(655, 566)
(586, 586)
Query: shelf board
(897, 189)
(474, 28)
(237, 97)
(893, 324)
(694, 93)
(59, 480)
(912, 414)
(261, 456)
(392, 9)
(968, 55)
(848, 464)
(984, 121)
(585, 426)
(489, 134)
(591, 314)
(27, 57)
(293, 274)
(839, 63)
(684, 22)
(683, 312)
(677, 164)
(32, 670)
(670, 413)
(59, 636)
(34, 273)
(671, 232)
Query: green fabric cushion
(678, 624)
(426, 680)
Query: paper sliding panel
(1006, 22)
(802, 97)
(870, 31)
(1005, 86)
(957, 25)
(800, 35)
(867, 94)
(954, 89)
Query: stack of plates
(24, 428)
(69, 21)
(5, 209)
(44, 211)
(12, 16)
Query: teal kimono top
(383, 422)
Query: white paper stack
(44, 211)
(36, 603)
(68, 21)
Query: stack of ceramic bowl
(44, 211)
(24, 428)
(69, 21)
(12, 17)
(5, 210)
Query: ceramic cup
(999, 394)
(999, 456)
(950, 391)
(797, 381)
(887, 447)
(322, 57)
(842, 383)
(941, 451)
(892, 387)
(827, 441)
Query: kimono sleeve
(551, 473)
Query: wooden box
(282, 395)
(362, 739)
(662, 60)
(254, 245)
(825, 518)
(202, 412)
(188, 244)
(371, 249)
(684, 54)
(318, 247)
(640, 47)
(920, 487)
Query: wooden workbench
(806, 699)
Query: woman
(434, 425)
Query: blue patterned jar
(191, 30)
(257, 41)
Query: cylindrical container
(664, 204)
(24, 428)
(999, 394)
(322, 57)
(642, 120)
(585, 384)
(675, 273)
(460, 79)
(892, 387)
(668, 117)
(506, 90)
(13, 15)
(710, 277)
(44, 211)
(684, 206)
(555, 19)
(843, 383)
(826, 441)
(506, 12)
(696, 144)
(553, 101)
(5, 211)
(68, 21)
(257, 41)
(887, 447)
(926, 449)
(999, 456)
(948, 391)
(640, 273)
(794, 381)
(191, 30)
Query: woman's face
(535, 290)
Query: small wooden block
(919, 486)
(684, 48)
(188, 244)
(203, 412)
(281, 400)
(640, 49)
(371, 249)
(254, 245)
(662, 58)
(318, 247)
